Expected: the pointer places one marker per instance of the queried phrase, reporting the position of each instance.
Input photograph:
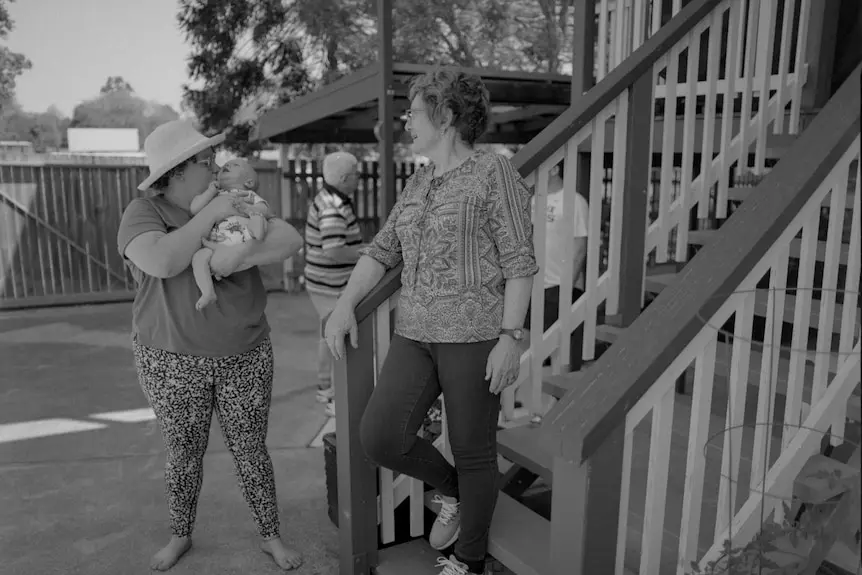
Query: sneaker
(325, 394)
(330, 409)
(447, 526)
(452, 566)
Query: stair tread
(519, 445)
(608, 333)
(741, 193)
(415, 557)
(520, 538)
(705, 237)
(657, 283)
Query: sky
(75, 45)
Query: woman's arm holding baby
(281, 242)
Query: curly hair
(164, 181)
(464, 95)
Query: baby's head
(237, 173)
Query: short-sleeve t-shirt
(558, 247)
(164, 315)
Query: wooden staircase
(522, 444)
(681, 387)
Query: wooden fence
(59, 223)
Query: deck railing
(758, 410)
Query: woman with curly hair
(463, 230)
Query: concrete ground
(81, 459)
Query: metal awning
(346, 110)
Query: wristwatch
(517, 334)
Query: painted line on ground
(44, 428)
(126, 416)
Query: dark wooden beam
(341, 95)
(339, 135)
(637, 180)
(583, 421)
(386, 94)
(583, 42)
(487, 75)
(357, 476)
(525, 113)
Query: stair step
(657, 283)
(559, 385)
(741, 193)
(521, 445)
(608, 333)
(706, 237)
(415, 557)
(519, 538)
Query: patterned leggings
(183, 390)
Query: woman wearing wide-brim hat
(190, 362)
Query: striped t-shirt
(331, 224)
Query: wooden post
(637, 176)
(357, 476)
(583, 44)
(585, 510)
(820, 52)
(385, 108)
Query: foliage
(116, 84)
(241, 57)
(117, 106)
(249, 55)
(46, 130)
(785, 548)
(12, 64)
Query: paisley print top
(460, 236)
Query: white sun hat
(171, 144)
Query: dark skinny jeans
(412, 377)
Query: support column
(820, 52)
(583, 46)
(385, 110)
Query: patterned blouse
(461, 236)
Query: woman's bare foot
(287, 559)
(168, 556)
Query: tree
(116, 84)
(240, 59)
(47, 130)
(12, 64)
(250, 55)
(118, 107)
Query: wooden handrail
(583, 420)
(576, 117)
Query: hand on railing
(342, 321)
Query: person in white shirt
(559, 248)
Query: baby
(235, 175)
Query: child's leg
(203, 277)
